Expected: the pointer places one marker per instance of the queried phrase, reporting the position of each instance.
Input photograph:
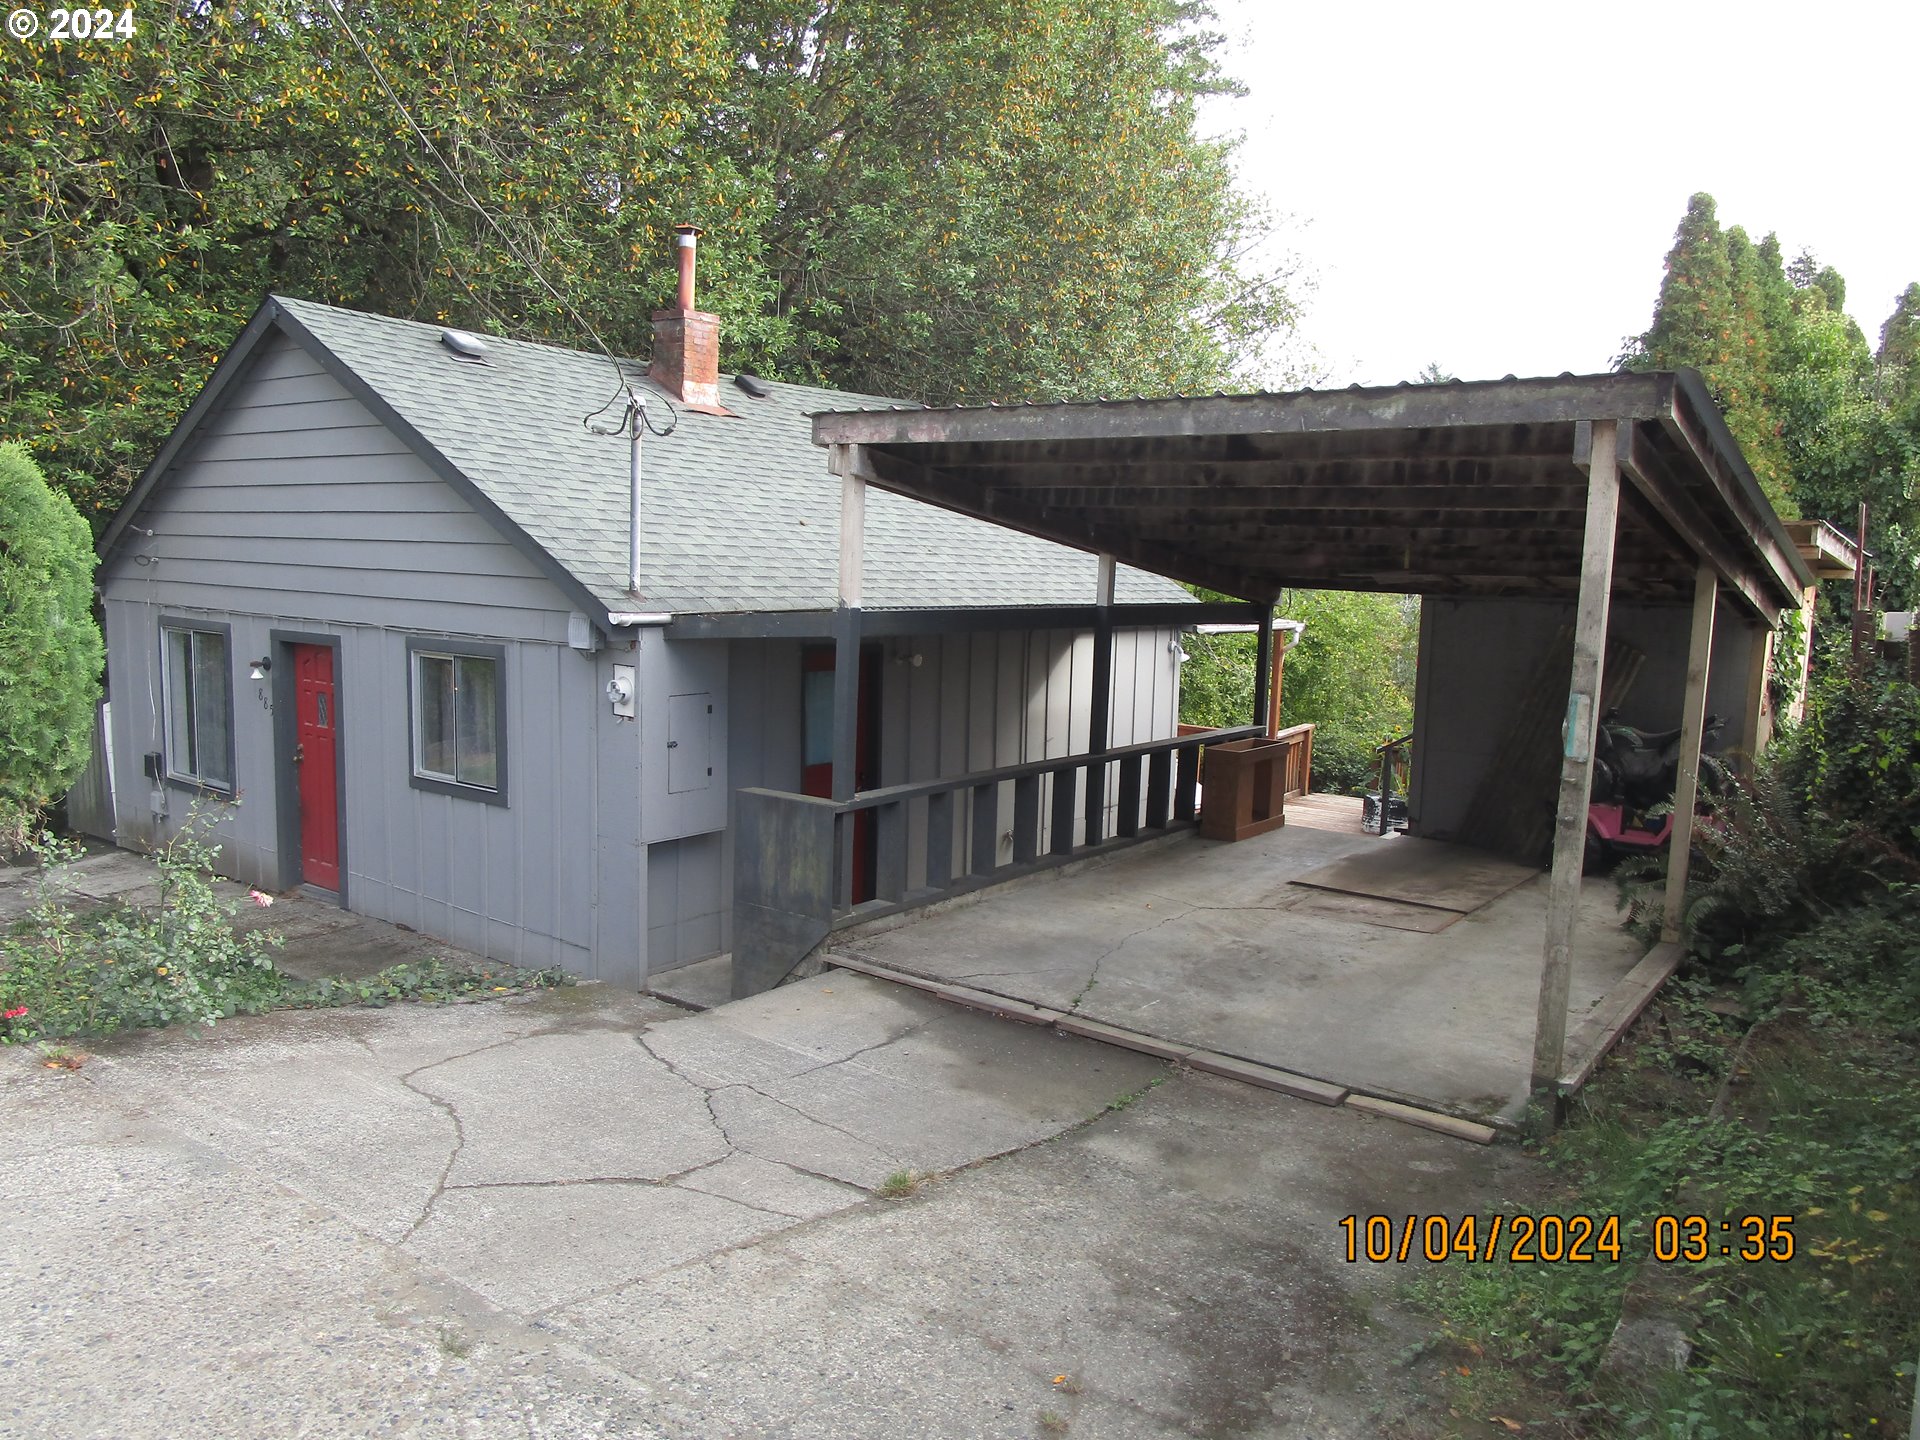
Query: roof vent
(754, 386)
(470, 348)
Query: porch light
(260, 668)
(1178, 651)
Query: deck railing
(1299, 759)
(794, 855)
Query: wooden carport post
(1265, 712)
(1706, 594)
(1100, 707)
(848, 462)
(1596, 448)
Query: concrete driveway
(1213, 946)
(587, 1214)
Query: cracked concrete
(586, 1214)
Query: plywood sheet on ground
(1370, 910)
(1421, 872)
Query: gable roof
(739, 513)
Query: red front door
(316, 761)
(816, 746)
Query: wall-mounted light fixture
(260, 668)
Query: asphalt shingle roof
(739, 513)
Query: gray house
(373, 605)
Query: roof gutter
(621, 619)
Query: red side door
(316, 759)
(816, 746)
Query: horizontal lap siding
(296, 510)
(294, 500)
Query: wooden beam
(1789, 571)
(1756, 714)
(1436, 532)
(1100, 720)
(1276, 497)
(1706, 593)
(846, 700)
(1122, 472)
(1561, 400)
(1437, 442)
(851, 467)
(1668, 498)
(1263, 673)
(1576, 766)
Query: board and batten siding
(296, 510)
(949, 705)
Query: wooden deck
(1338, 813)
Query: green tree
(150, 192)
(980, 199)
(1349, 674)
(1898, 359)
(1713, 314)
(1824, 423)
(990, 199)
(50, 652)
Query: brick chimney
(686, 341)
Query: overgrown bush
(73, 972)
(50, 652)
(70, 969)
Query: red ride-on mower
(1634, 775)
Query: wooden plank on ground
(1125, 1039)
(1001, 1005)
(1608, 1021)
(1371, 910)
(1303, 1087)
(1425, 1119)
(1421, 872)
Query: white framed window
(458, 718)
(196, 674)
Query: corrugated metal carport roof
(1450, 489)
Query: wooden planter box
(1246, 789)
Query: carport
(1499, 491)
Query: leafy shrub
(50, 652)
(1830, 819)
(1343, 763)
(74, 973)
(66, 971)
(1855, 765)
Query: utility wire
(637, 405)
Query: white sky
(1493, 186)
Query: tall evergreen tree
(1824, 423)
(1713, 314)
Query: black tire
(1594, 858)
